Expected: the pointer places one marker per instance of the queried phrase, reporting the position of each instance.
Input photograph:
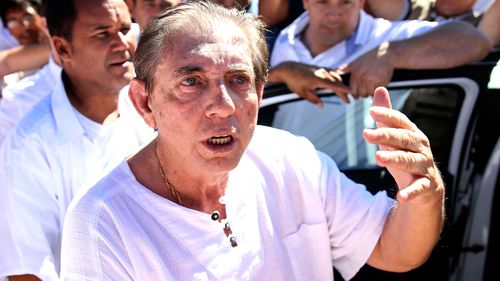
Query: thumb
(381, 98)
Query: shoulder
(279, 149)
(39, 120)
(90, 201)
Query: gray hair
(157, 37)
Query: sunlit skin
(453, 8)
(330, 22)
(143, 11)
(28, 31)
(204, 89)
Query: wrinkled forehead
(216, 47)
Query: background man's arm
(273, 11)
(23, 58)
(448, 45)
(490, 24)
(387, 9)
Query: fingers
(385, 117)
(417, 164)
(330, 80)
(311, 96)
(398, 139)
(415, 189)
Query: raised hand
(404, 151)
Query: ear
(62, 48)
(142, 102)
(260, 92)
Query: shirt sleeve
(355, 218)
(30, 231)
(91, 245)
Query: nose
(221, 103)
(122, 41)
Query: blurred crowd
(64, 79)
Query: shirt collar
(54, 70)
(67, 124)
(297, 26)
(362, 32)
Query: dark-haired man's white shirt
(44, 161)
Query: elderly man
(71, 138)
(215, 197)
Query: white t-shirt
(328, 128)
(44, 161)
(20, 97)
(293, 213)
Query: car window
(336, 129)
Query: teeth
(220, 140)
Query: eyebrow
(108, 26)
(188, 69)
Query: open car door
(461, 117)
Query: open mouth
(122, 63)
(223, 140)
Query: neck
(315, 48)
(198, 193)
(97, 106)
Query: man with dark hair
(216, 197)
(71, 138)
(22, 18)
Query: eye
(102, 35)
(190, 81)
(240, 79)
(125, 30)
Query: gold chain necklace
(215, 214)
(167, 183)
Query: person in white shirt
(340, 37)
(22, 18)
(20, 97)
(75, 135)
(216, 197)
(7, 41)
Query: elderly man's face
(205, 99)
(332, 21)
